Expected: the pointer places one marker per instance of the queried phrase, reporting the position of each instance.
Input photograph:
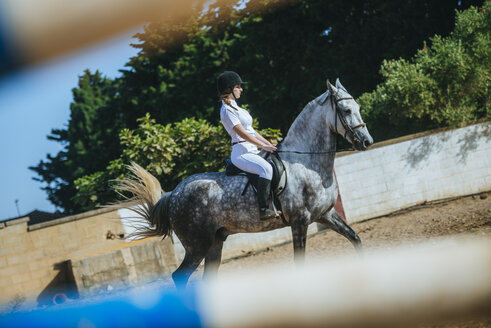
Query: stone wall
(33, 258)
(135, 263)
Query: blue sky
(32, 102)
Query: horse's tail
(146, 201)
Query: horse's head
(345, 118)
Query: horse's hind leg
(186, 269)
(213, 259)
(336, 223)
(197, 243)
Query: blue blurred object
(162, 308)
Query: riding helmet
(227, 80)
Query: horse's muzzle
(362, 141)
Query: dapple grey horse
(205, 208)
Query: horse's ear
(339, 85)
(331, 88)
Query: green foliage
(285, 49)
(445, 84)
(90, 140)
(171, 152)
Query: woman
(245, 140)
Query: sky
(35, 100)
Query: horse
(205, 208)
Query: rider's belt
(234, 143)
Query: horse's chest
(315, 197)
(310, 198)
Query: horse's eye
(348, 111)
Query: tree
(171, 152)
(445, 84)
(89, 141)
(285, 49)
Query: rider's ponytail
(225, 98)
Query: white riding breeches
(245, 157)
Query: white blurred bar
(441, 279)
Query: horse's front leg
(334, 221)
(213, 260)
(299, 234)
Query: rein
(346, 127)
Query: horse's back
(214, 200)
(207, 193)
(210, 180)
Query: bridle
(346, 126)
(344, 123)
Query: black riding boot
(263, 191)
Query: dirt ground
(469, 215)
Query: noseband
(346, 126)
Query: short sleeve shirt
(231, 117)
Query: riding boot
(263, 191)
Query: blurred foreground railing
(444, 279)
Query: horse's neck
(309, 133)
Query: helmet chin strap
(233, 94)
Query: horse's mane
(302, 121)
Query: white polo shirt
(231, 117)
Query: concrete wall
(395, 174)
(32, 258)
(437, 166)
(134, 263)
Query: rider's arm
(264, 140)
(239, 129)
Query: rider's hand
(269, 148)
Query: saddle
(278, 182)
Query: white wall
(243, 243)
(383, 180)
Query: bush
(446, 84)
(171, 152)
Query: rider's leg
(263, 192)
(254, 163)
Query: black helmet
(227, 80)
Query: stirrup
(266, 214)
